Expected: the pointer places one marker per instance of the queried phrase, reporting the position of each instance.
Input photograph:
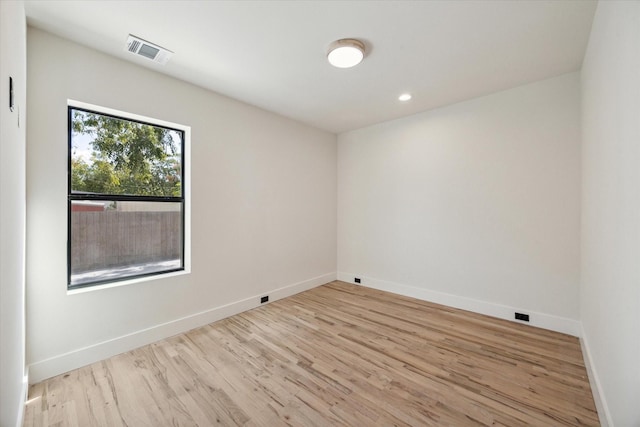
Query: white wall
(12, 212)
(610, 285)
(475, 205)
(263, 208)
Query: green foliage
(127, 157)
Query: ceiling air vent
(148, 50)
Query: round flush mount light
(345, 53)
(404, 97)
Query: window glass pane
(113, 240)
(116, 156)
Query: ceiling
(272, 54)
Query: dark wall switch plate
(12, 102)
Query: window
(126, 196)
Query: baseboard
(540, 320)
(598, 396)
(62, 363)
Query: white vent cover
(147, 50)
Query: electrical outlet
(523, 317)
(264, 299)
(357, 280)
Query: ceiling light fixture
(345, 53)
(404, 97)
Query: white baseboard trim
(66, 362)
(540, 320)
(598, 396)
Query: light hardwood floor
(338, 354)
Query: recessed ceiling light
(345, 53)
(404, 97)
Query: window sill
(132, 281)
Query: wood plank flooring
(338, 355)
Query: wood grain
(339, 355)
